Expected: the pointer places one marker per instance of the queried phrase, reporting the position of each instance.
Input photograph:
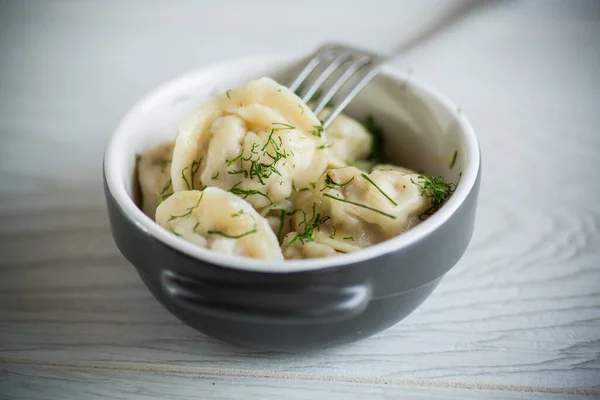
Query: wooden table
(518, 317)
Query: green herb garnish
(284, 126)
(332, 236)
(163, 164)
(437, 190)
(311, 227)
(241, 235)
(228, 96)
(453, 159)
(298, 189)
(216, 177)
(366, 177)
(359, 205)
(331, 184)
(163, 195)
(246, 193)
(173, 232)
(138, 156)
(189, 210)
(237, 214)
(317, 130)
(377, 135)
(325, 146)
(349, 238)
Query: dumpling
(154, 176)
(348, 140)
(294, 248)
(348, 209)
(219, 221)
(255, 141)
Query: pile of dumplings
(252, 173)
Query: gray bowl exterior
(301, 310)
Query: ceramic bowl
(301, 304)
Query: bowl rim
(116, 187)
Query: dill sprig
(216, 177)
(359, 205)
(366, 177)
(235, 190)
(173, 232)
(349, 238)
(227, 93)
(437, 190)
(189, 210)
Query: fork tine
(370, 74)
(339, 82)
(327, 72)
(321, 55)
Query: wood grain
(36, 383)
(520, 312)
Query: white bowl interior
(422, 129)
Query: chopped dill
(216, 177)
(239, 171)
(196, 227)
(325, 146)
(228, 96)
(359, 205)
(237, 214)
(163, 195)
(377, 135)
(331, 184)
(138, 156)
(298, 189)
(332, 236)
(163, 164)
(437, 190)
(278, 90)
(311, 227)
(349, 238)
(453, 159)
(317, 130)
(189, 210)
(283, 125)
(241, 235)
(246, 193)
(366, 177)
(281, 223)
(233, 160)
(173, 232)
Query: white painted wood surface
(518, 317)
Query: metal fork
(347, 62)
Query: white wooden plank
(522, 308)
(37, 383)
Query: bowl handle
(266, 302)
